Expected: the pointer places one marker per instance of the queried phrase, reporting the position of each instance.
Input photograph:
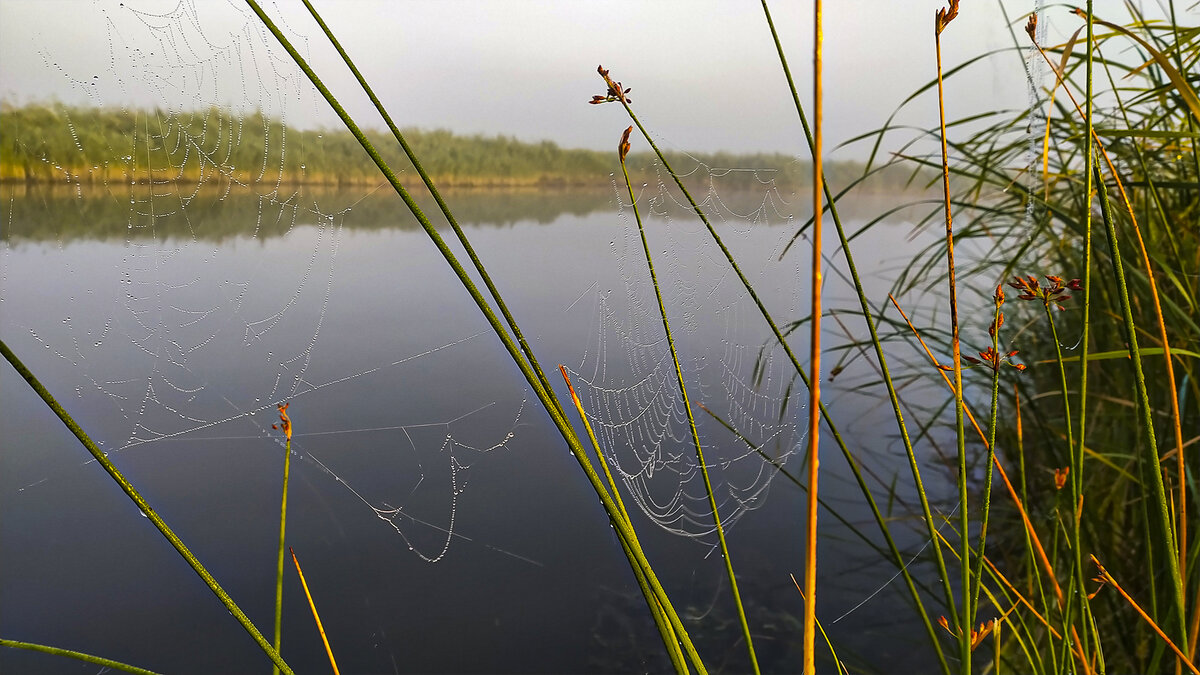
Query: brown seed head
(615, 91)
(1031, 27)
(285, 423)
(623, 148)
(1060, 477)
(945, 16)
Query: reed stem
(814, 389)
(687, 407)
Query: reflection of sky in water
(174, 350)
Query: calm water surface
(441, 522)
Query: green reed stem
(1062, 373)
(145, 508)
(1077, 452)
(991, 458)
(287, 465)
(437, 195)
(687, 407)
(79, 656)
(545, 395)
(1151, 453)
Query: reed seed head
(623, 148)
(1060, 477)
(1031, 27)
(945, 16)
(615, 90)
(1051, 294)
(285, 423)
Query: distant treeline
(52, 143)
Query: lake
(441, 523)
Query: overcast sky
(705, 75)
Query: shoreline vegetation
(52, 143)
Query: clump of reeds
(1100, 451)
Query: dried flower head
(285, 423)
(945, 16)
(1050, 294)
(994, 359)
(1060, 477)
(623, 148)
(1031, 27)
(615, 91)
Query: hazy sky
(705, 75)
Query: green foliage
(1026, 222)
(54, 143)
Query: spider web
(739, 383)
(190, 332)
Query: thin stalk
(316, 617)
(991, 455)
(78, 656)
(1179, 652)
(545, 396)
(286, 424)
(943, 19)
(1062, 373)
(1077, 454)
(814, 389)
(687, 407)
(145, 508)
(1164, 516)
(437, 195)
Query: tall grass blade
(78, 656)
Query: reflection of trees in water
(40, 212)
(48, 213)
